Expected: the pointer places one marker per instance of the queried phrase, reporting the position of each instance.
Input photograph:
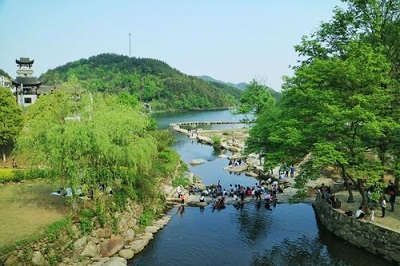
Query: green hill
(151, 80)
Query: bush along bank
(362, 233)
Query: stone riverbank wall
(362, 233)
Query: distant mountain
(241, 85)
(151, 80)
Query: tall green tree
(255, 98)
(348, 100)
(11, 120)
(341, 105)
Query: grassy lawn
(26, 208)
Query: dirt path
(26, 208)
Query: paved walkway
(391, 219)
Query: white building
(4, 82)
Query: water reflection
(253, 223)
(181, 210)
(338, 248)
(301, 251)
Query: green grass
(29, 208)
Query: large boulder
(138, 245)
(152, 229)
(129, 235)
(112, 246)
(80, 243)
(126, 254)
(104, 232)
(91, 250)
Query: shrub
(54, 229)
(167, 162)
(6, 175)
(147, 217)
(120, 199)
(37, 173)
(85, 218)
(17, 175)
(101, 212)
(180, 181)
(216, 142)
(55, 259)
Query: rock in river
(197, 161)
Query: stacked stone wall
(362, 233)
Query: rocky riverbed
(234, 141)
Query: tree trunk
(346, 184)
(4, 154)
(364, 202)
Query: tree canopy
(255, 99)
(341, 105)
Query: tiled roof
(24, 60)
(32, 81)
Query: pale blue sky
(229, 40)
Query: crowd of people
(371, 204)
(217, 195)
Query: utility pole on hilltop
(129, 45)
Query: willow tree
(90, 140)
(10, 121)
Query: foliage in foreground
(341, 106)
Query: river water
(286, 234)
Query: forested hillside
(151, 80)
(5, 74)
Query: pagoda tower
(25, 85)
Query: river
(287, 234)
